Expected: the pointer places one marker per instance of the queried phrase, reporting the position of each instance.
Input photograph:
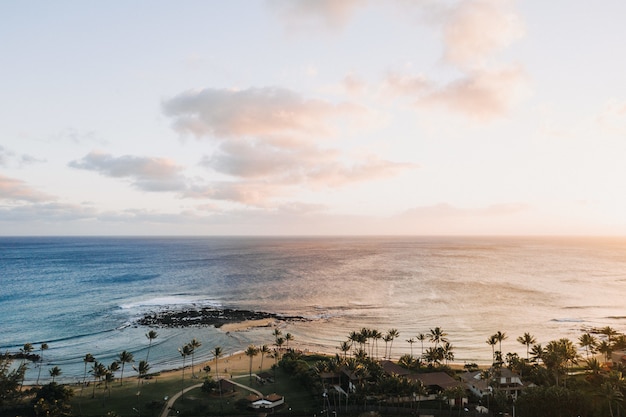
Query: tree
(98, 370)
(492, 341)
(218, 352)
(528, 340)
(44, 346)
(124, 358)
(251, 352)
(264, 350)
(410, 341)
(387, 338)
(10, 378)
(53, 400)
(557, 356)
(288, 338)
(437, 336)
(184, 352)
(142, 369)
(421, 337)
(588, 342)
(113, 368)
(500, 336)
(54, 372)
(611, 394)
(605, 348)
(376, 336)
(194, 344)
(151, 335)
(345, 348)
(393, 333)
(89, 358)
(26, 350)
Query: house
(434, 382)
(504, 380)
(619, 356)
(266, 403)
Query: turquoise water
(82, 294)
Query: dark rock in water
(207, 316)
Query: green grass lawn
(147, 398)
(128, 399)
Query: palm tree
(589, 342)
(151, 335)
(410, 342)
(218, 352)
(277, 332)
(113, 368)
(376, 336)
(448, 354)
(437, 335)
(609, 332)
(421, 337)
(393, 333)
(184, 352)
(98, 370)
(26, 350)
(605, 348)
(345, 347)
(194, 344)
(124, 358)
(500, 336)
(89, 358)
(263, 350)
(54, 372)
(142, 369)
(354, 338)
(251, 352)
(527, 340)
(612, 394)
(492, 341)
(288, 338)
(387, 338)
(279, 344)
(44, 346)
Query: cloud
(475, 29)
(269, 140)
(266, 112)
(12, 189)
(482, 95)
(148, 174)
(311, 13)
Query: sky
(313, 117)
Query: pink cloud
(16, 190)
(482, 95)
(475, 29)
(330, 13)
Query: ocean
(84, 294)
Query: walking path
(172, 400)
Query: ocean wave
(568, 320)
(169, 301)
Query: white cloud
(148, 174)
(261, 112)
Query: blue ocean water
(83, 294)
